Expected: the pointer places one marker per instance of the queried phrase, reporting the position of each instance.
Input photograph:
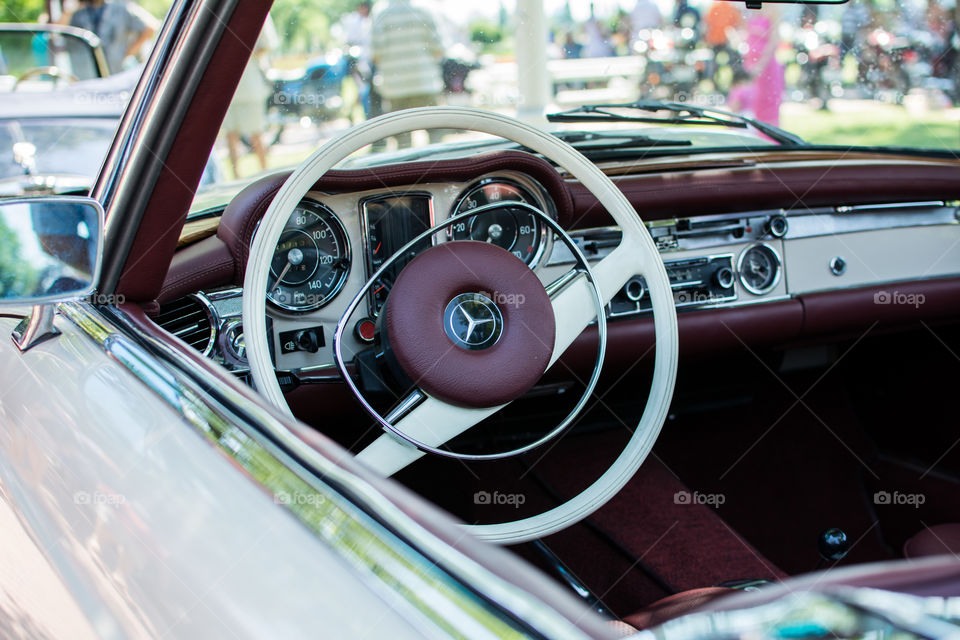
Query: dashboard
(336, 240)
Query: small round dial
(759, 269)
(512, 228)
(311, 261)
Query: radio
(696, 281)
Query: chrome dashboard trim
(319, 374)
(212, 317)
(856, 208)
(823, 222)
(392, 551)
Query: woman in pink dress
(761, 63)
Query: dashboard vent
(190, 320)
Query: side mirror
(50, 252)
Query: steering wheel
(441, 412)
(54, 72)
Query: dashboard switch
(309, 340)
(365, 330)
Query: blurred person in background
(598, 40)
(686, 16)
(571, 48)
(123, 29)
(354, 29)
(407, 52)
(761, 63)
(722, 21)
(855, 18)
(246, 117)
(645, 15)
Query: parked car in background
(54, 141)
(35, 56)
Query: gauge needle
(282, 273)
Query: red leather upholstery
(934, 541)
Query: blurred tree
(485, 33)
(158, 8)
(304, 25)
(21, 10)
(16, 274)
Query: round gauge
(759, 268)
(512, 228)
(311, 261)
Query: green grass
(878, 125)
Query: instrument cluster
(312, 260)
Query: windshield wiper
(681, 114)
(591, 141)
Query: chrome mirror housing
(50, 252)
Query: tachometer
(311, 261)
(512, 228)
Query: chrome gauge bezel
(778, 263)
(337, 226)
(362, 205)
(538, 198)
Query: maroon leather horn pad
(414, 324)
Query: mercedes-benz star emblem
(473, 321)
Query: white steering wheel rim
(624, 261)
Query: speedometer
(513, 228)
(311, 261)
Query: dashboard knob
(307, 341)
(833, 544)
(778, 226)
(635, 289)
(723, 277)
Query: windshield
(871, 73)
(868, 73)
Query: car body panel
(148, 529)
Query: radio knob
(723, 277)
